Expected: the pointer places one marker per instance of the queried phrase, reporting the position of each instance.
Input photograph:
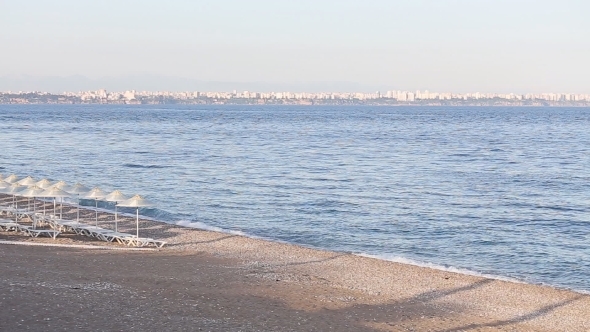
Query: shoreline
(69, 209)
(106, 213)
(357, 285)
(397, 260)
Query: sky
(458, 46)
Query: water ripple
(496, 191)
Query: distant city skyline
(156, 83)
(390, 97)
(519, 46)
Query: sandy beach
(210, 281)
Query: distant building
(129, 95)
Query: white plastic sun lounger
(101, 233)
(87, 230)
(4, 210)
(23, 213)
(8, 225)
(146, 242)
(111, 236)
(45, 232)
(29, 231)
(64, 225)
(122, 238)
(17, 213)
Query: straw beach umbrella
(116, 196)
(95, 194)
(3, 185)
(136, 201)
(43, 184)
(28, 181)
(13, 189)
(60, 184)
(55, 193)
(63, 186)
(78, 189)
(32, 192)
(12, 178)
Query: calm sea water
(498, 191)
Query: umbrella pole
(78, 211)
(54, 208)
(96, 210)
(116, 223)
(61, 206)
(15, 209)
(34, 215)
(137, 223)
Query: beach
(212, 281)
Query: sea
(492, 191)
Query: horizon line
(279, 91)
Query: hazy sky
(440, 45)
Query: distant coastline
(132, 98)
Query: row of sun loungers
(59, 226)
(9, 225)
(103, 234)
(17, 213)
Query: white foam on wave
(403, 260)
(205, 227)
(390, 258)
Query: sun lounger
(122, 238)
(45, 232)
(64, 225)
(8, 225)
(4, 210)
(19, 213)
(30, 231)
(101, 233)
(104, 235)
(22, 214)
(87, 230)
(146, 242)
(40, 219)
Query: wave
(452, 269)
(407, 261)
(389, 258)
(205, 227)
(144, 166)
(396, 259)
(157, 215)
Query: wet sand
(222, 282)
